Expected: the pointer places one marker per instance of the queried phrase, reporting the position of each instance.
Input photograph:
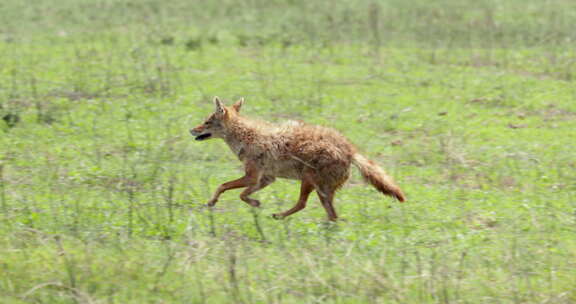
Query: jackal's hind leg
(305, 188)
(327, 198)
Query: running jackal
(320, 157)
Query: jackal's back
(322, 150)
(319, 146)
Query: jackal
(318, 156)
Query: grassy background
(468, 104)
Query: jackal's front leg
(251, 180)
(242, 182)
(262, 183)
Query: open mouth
(203, 136)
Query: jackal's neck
(242, 133)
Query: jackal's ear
(220, 108)
(237, 105)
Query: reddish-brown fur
(318, 156)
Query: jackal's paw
(254, 203)
(278, 216)
(211, 203)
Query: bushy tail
(377, 177)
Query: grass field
(470, 105)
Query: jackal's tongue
(203, 136)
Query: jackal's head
(215, 125)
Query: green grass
(468, 104)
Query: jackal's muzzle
(199, 135)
